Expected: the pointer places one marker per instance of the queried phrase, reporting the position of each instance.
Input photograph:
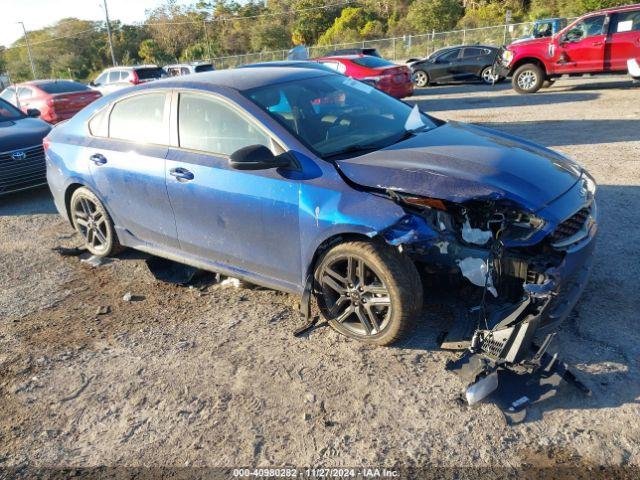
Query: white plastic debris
(414, 120)
(475, 270)
(230, 282)
(475, 235)
(442, 246)
(482, 388)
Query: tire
(376, 303)
(420, 78)
(548, 83)
(528, 78)
(93, 223)
(486, 75)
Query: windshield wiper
(352, 149)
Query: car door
(623, 41)
(471, 62)
(581, 48)
(244, 220)
(126, 158)
(445, 66)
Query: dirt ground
(212, 375)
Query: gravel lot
(213, 376)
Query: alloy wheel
(488, 76)
(91, 223)
(527, 80)
(420, 78)
(354, 296)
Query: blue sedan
(311, 182)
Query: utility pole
(106, 14)
(26, 40)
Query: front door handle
(98, 159)
(182, 174)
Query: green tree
(438, 15)
(354, 23)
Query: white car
(634, 69)
(116, 78)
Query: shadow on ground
(29, 202)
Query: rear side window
(626, 22)
(372, 62)
(209, 125)
(150, 73)
(449, 56)
(63, 86)
(139, 119)
(473, 52)
(114, 76)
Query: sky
(40, 13)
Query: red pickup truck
(598, 42)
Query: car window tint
(124, 75)
(139, 119)
(9, 112)
(204, 68)
(150, 73)
(207, 124)
(472, 52)
(98, 125)
(63, 86)
(626, 22)
(449, 56)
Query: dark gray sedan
(455, 64)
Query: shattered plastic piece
(127, 297)
(482, 388)
(103, 310)
(475, 235)
(442, 246)
(410, 229)
(230, 282)
(94, 261)
(475, 270)
(414, 120)
(539, 290)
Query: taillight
(133, 78)
(51, 102)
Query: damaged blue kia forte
(316, 184)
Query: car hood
(22, 133)
(459, 162)
(529, 42)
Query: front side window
(449, 56)
(140, 119)
(472, 52)
(9, 112)
(372, 62)
(101, 79)
(9, 95)
(333, 114)
(24, 93)
(209, 125)
(589, 27)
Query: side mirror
(93, 84)
(33, 112)
(256, 157)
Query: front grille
(570, 226)
(17, 174)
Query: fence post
(394, 49)
(464, 36)
(504, 38)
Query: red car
(382, 74)
(56, 100)
(598, 42)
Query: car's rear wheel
(368, 291)
(527, 78)
(93, 223)
(488, 77)
(420, 78)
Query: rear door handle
(98, 159)
(182, 174)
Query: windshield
(62, 86)
(204, 68)
(332, 114)
(9, 112)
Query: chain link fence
(398, 48)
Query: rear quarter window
(626, 22)
(99, 125)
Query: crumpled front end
(522, 272)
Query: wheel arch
(68, 193)
(525, 60)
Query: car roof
(243, 78)
(130, 67)
(620, 8)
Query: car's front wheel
(93, 223)
(420, 78)
(527, 78)
(368, 291)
